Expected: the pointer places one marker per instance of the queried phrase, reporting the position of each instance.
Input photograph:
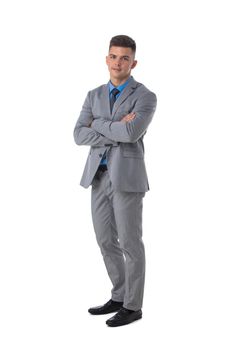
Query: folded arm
(84, 134)
(129, 131)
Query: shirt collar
(120, 87)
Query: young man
(113, 121)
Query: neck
(117, 82)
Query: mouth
(116, 69)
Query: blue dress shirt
(120, 88)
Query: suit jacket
(122, 141)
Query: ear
(134, 64)
(106, 59)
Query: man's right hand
(127, 118)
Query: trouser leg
(128, 215)
(106, 235)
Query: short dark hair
(123, 41)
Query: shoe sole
(124, 324)
(103, 313)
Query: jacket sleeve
(85, 135)
(129, 131)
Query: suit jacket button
(100, 155)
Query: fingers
(128, 117)
(131, 116)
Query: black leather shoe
(110, 306)
(123, 317)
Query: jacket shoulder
(98, 90)
(143, 91)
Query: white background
(52, 54)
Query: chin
(113, 76)
(117, 75)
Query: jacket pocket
(132, 150)
(132, 154)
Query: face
(120, 61)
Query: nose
(118, 62)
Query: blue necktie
(114, 93)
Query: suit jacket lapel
(123, 96)
(104, 97)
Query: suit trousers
(117, 222)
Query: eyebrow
(113, 54)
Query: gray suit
(117, 193)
